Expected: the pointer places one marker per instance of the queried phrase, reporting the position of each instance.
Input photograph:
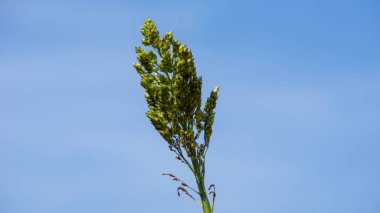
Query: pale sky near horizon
(297, 121)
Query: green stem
(201, 187)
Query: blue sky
(297, 124)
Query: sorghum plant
(173, 93)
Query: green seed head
(173, 91)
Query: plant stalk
(201, 188)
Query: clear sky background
(297, 128)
